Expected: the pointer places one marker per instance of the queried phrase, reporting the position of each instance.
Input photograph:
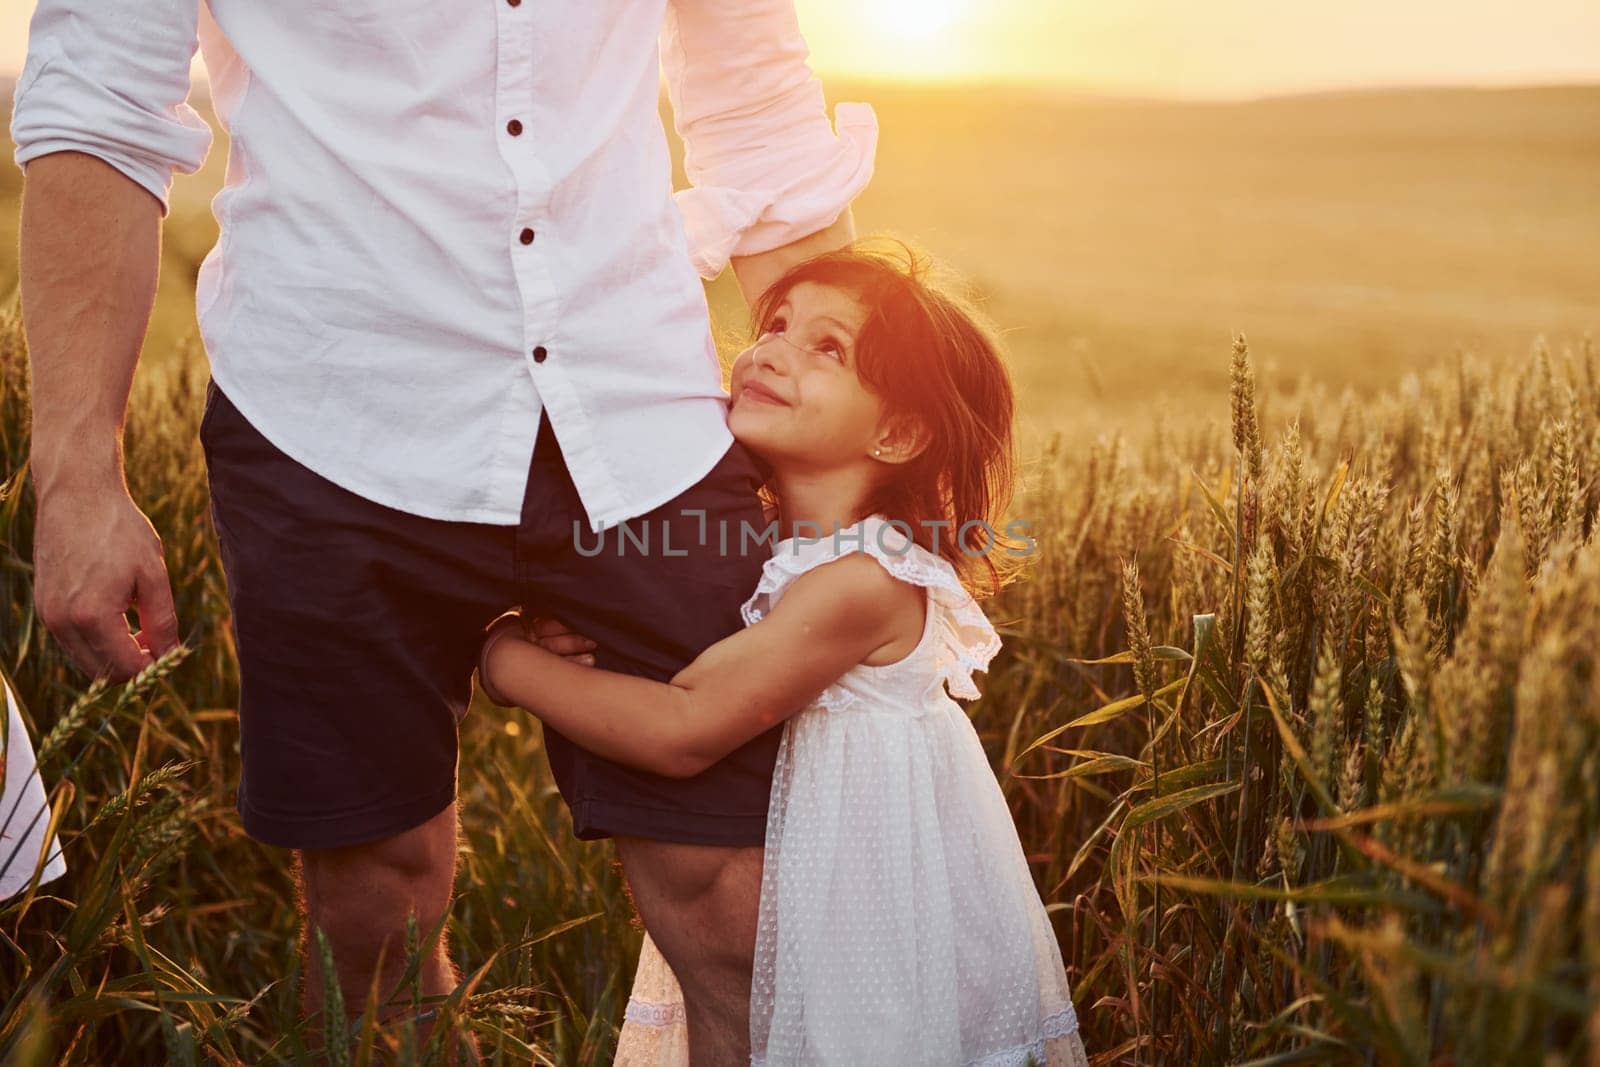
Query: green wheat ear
(335, 1027)
(410, 1050)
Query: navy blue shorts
(358, 628)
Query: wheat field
(1298, 714)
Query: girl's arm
(828, 620)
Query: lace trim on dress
(970, 642)
(1051, 1028)
(650, 1013)
(966, 641)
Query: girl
(898, 921)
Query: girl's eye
(777, 323)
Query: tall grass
(1305, 734)
(1299, 719)
(172, 937)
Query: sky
(1226, 49)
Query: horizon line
(1133, 94)
(1111, 93)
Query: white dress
(899, 923)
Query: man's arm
(757, 272)
(829, 620)
(99, 125)
(771, 181)
(89, 254)
(90, 251)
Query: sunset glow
(919, 19)
(1230, 49)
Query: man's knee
(700, 904)
(362, 895)
(684, 875)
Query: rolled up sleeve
(111, 78)
(765, 166)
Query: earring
(877, 451)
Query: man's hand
(96, 555)
(552, 635)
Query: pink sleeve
(111, 78)
(765, 165)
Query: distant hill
(1119, 242)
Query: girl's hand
(549, 634)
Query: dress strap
(966, 641)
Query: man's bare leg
(361, 897)
(700, 903)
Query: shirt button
(527, 236)
(513, 3)
(514, 127)
(539, 354)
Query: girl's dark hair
(929, 354)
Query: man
(453, 318)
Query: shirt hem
(483, 515)
(702, 468)
(489, 516)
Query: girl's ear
(903, 439)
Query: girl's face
(796, 400)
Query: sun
(913, 18)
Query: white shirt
(440, 218)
